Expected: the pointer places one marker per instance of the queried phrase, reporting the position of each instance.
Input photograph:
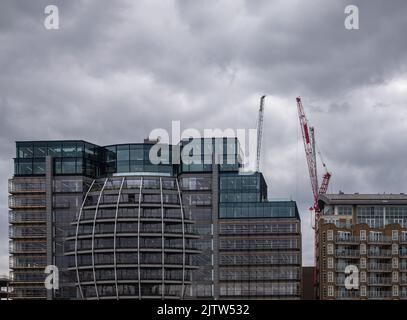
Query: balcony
(380, 294)
(380, 240)
(27, 217)
(348, 294)
(385, 267)
(380, 253)
(15, 187)
(340, 267)
(403, 253)
(29, 232)
(23, 203)
(347, 253)
(27, 264)
(347, 240)
(27, 293)
(28, 248)
(379, 281)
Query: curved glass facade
(132, 240)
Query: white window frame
(330, 248)
(330, 263)
(394, 235)
(363, 276)
(395, 263)
(395, 248)
(362, 248)
(363, 235)
(330, 276)
(363, 291)
(371, 222)
(363, 262)
(395, 291)
(330, 291)
(330, 235)
(395, 276)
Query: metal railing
(380, 281)
(383, 239)
(26, 187)
(380, 294)
(349, 239)
(379, 266)
(381, 253)
(16, 217)
(347, 294)
(347, 253)
(14, 202)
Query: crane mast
(259, 132)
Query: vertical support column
(384, 216)
(93, 237)
(183, 239)
(115, 238)
(215, 221)
(138, 238)
(50, 216)
(162, 242)
(76, 239)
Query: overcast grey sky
(115, 70)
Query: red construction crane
(308, 135)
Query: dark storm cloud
(116, 70)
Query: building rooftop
(358, 198)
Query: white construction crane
(259, 132)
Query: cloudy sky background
(116, 70)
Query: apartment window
(344, 235)
(395, 248)
(362, 248)
(363, 276)
(363, 262)
(363, 235)
(344, 210)
(395, 276)
(330, 248)
(395, 263)
(330, 276)
(363, 291)
(395, 291)
(330, 263)
(330, 235)
(330, 291)
(394, 235)
(376, 235)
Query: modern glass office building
(121, 226)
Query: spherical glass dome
(132, 240)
